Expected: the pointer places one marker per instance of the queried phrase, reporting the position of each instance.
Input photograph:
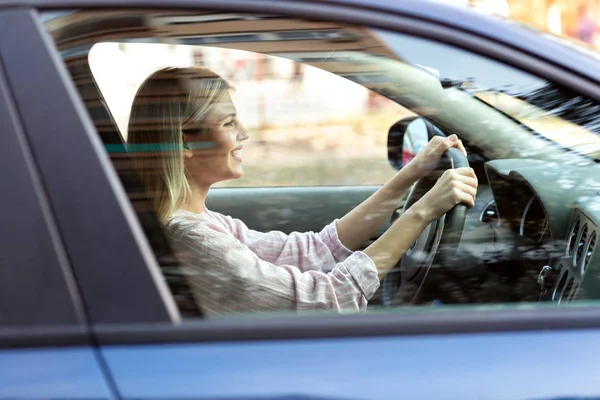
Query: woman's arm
(360, 224)
(226, 276)
(454, 187)
(309, 251)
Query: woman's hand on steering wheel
(426, 161)
(455, 186)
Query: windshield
(551, 125)
(558, 114)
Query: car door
(150, 352)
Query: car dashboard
(545, 216)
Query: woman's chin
(237, 173)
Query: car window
(273, 102)
(296, 113)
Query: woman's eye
(230, 123)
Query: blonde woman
(188, 117)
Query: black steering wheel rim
(436, 246)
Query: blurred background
(575, 19)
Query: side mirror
(406, 138)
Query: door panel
(289, 208)
(69, 373)
(461, 366)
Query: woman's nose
(242, 133)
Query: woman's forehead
(223, 106)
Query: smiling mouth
(237, 154)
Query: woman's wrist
(419, 213)
(406, 177)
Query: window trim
(62, 336)
(377, 324)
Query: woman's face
(216, 155)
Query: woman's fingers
(466, 189)
(467, 199)
(442, 144)
(466, 171)
(468, 180)
(460, 173)
(460, 196)
(463, 185)
(459, 144)
(455, 186)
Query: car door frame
(150, 315)
(34, 248)
(46, 348)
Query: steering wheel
(434, 251)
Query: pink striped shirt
(233, 269)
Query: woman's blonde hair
(169, 103)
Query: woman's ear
(187, 151)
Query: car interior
(531, 236)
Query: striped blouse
(233, 269)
